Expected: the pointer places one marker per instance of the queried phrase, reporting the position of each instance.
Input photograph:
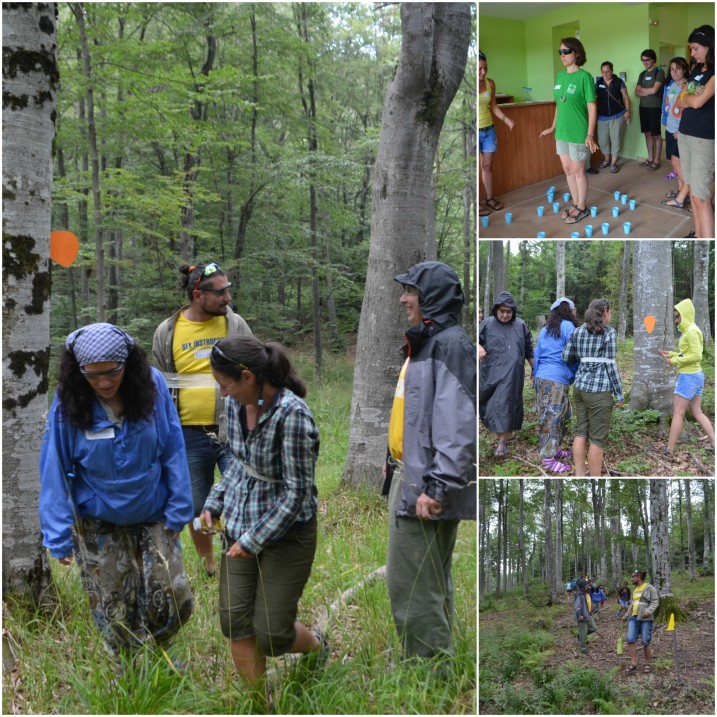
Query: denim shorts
(690, 385)
(487, 139)
(637, 627)
(204, 453)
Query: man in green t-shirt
(649, 90)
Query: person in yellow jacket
(690, 378)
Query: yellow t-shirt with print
(395, 425)
(636, 595)
(191, 347)
(590, 603)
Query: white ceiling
(519, 10)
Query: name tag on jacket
(100, 435)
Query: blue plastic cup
(541, 210)
(632, 205)
(574, 235)
(605, 228)
(508, 217)
(626, 227)
(566, 197)
(593, 211)
(623, 198)
(588, 230)
(615, 211)
(616, 194)
(484, 220)
(550, 194)
(541, 235)
(556, 206)
(551, 188)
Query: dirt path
(695, 651)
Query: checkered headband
(96, 343)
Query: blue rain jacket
(130, 475)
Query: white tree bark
(560, 268)
(549, 554)
(624, 278)
(615, 532)
(701, 267)
(30, 77)
(690, 533)
(661, 576)
(652, 295)
(434, 50)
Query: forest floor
(537, 669)
(632, 447)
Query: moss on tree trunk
(670, 604)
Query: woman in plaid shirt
(597, 380)
(269, 502)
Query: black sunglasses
(99, 374)
(565, 52)
(219, 292)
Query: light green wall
(617, 32)
(503, 42)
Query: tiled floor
(649, 219)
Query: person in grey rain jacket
(432, 439)
(505, 344)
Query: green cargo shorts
(593, 414)
(259, 597)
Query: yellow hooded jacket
(689, 357)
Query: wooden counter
(524, 157)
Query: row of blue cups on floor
(605, 227)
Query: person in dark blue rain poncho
(505, 344)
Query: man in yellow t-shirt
(181, 347)
(640, 616)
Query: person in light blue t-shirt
(552, 379)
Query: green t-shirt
(647, 79)
(572, 93)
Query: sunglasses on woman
(565, 52)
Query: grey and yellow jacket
(649, 602)
(439, 432)
(163, 355)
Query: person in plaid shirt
(269, 502)
(597, 380)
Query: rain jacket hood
(505, 298)
(686, 309)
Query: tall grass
(62, 667)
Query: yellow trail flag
(671, 624)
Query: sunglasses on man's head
(209, 269)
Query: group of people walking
(592, 114)
(584, 357)
(129, 454)
(640, 610)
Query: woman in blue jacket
(552, 379)
(115, 488)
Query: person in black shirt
(697, 130)
(613, 114)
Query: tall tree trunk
(615, 533)
(690, 534)
(506, 564)
(434, 49)
(560, 268)
(521, 538)
(469, 232)
(700, 296)
(30, 78)
(598, 494)
(646, 527)
(65, 224)
(483, 488)
(79, 12)
(558, 535)
(499, 536)
(624, 279)
(498, 267)
(653, 386)
(549, 554)
(708, 530)
(661, 577)
(487, 298)
(682, 544)
(523, 246)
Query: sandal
(563, 454)
(631, 669)
(673, 203)
(575, 218)
(646, 163)
(485, 212)
(566, 212)
(614, 169)
(653, 167)
(672, 194)
(501, 450)
(647, 670)
(665, 453)
(604, 163)
(550, 464)
(493, 204)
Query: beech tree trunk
(701, 291)
(653, 381)
(558, 535)
(30, 78)
(624, 278)
(434, 49)
(549, 554)
(661, 576)
(690, 534)
(560, 268)
(615, 533)
(521, 538)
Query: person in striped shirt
(597, 380)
